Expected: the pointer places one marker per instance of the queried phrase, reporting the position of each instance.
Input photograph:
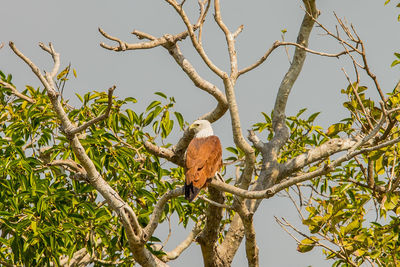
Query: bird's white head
(202, 128)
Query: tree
(89, 185)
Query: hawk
(203, 158)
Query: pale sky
(72, 27)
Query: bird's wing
(203, 160)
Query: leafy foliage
(45, 211)
(340, 213)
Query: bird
(203, 158)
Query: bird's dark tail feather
(191, 192)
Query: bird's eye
(197, 124)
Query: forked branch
(93, 121)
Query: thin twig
(215, 203)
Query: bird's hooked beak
(193, 126)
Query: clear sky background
(72, 27)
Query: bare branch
(196, 44)
(337, 55)
(295, 68)
(35, 69)
(158, 209)
(201, 83)
(169, 42)
(230, 40)
(177, 251)
(165, 153)
(154, 42)
(238, 136)
(209, 235)
(269, 192)
(56, 58)
(277, 44)
(323, 151)
(255, 140)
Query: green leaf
(334, 129)
(152, 105)
(232, 150)
(161, 94)
(351, 226)
(394, 63)
(313, 116)
(80, 98)
(131, 99)
(301, 111)
(179, 117)
(63, 73)
(307, 244)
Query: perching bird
(203, 158)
